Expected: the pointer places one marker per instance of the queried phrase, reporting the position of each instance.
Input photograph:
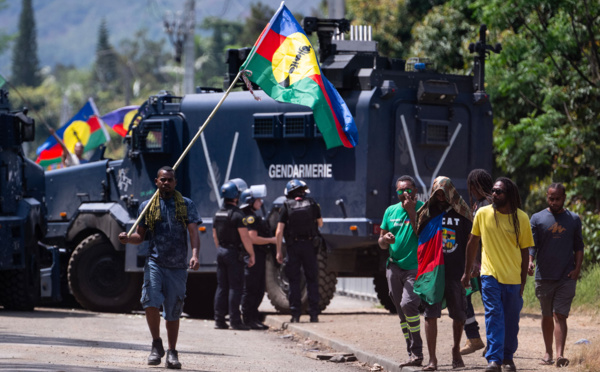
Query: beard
(499, 203)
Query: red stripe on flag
(94, 123)
(52, 153)
(430, 253)
(270, 44)
(338, 126)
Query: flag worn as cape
(120, 119)
(284, 64)
(85, 127)
(430, 281)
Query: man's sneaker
(508, 366)
(172, 361)
(314, 319)
(471, 346)
(221, 324)
(239, 326)
(158, 351)
(257, 326)
(295, 319)
(493, 367)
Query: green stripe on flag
(430, 286)
(96, 139)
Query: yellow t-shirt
(500, 256)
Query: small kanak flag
(284, 64)
(85, 127)
(430, 281)
(120, 119)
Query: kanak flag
(284, 64)
(430, 281)
(85, 127)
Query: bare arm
(243, 231)
(578, 260)
(524, 268)
(260, 240)
(386, 238)
(136, 238)
(195, 242)
(409, 204)
(320, 222)
(279, 241)
(215, 238)
(472, 247)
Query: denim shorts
(555, 296)
(166, 287)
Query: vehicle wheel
(383, 292)
(98, 280)
(200, 296)
(277, 285)
(20, 289)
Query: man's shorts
(166, 287)
(456, 301)
(555, 296)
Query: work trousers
(230, 284)
(471, 325)
(254, 286)
(401, 283)
(503, 304)
(302, 254)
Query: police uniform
(300, 217)
(230, 265)
(254, 277)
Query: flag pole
(187, 149)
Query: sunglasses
(497, 191)
(401, 191)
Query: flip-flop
(458, 363)
(562, 362)
(430, 367)
(546, 362)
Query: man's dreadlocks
(480, 181)
(514, 202)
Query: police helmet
(229, 190)
(296, 185)
(250, 195)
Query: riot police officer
(231, 239)
(299, 222)
(254, 277)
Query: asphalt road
(50, 339)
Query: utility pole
(181, 33)
(336, 9)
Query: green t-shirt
(404, 251)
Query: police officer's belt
(230, 246)
(302, 237)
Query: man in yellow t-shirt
(505, 235)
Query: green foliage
(4, 38)
(25, 64)
(545, 89)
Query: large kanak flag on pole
(284, 64)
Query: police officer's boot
(158, 351)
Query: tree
(4, 38)
(106, 66)
(25, 63)
(545, 89)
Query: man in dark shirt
(455, 225)
(168, 221)
(559, 253)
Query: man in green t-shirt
(398, 235)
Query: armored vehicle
(410, 120)
(28, 271)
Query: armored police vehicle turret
(24, 277)
(410, 120)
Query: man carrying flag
(444, 224)
(284, 64)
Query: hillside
(67, 29)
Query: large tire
(20, 289)
(277, 285)
(98, 280)
(200, 296)
(383, 292)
